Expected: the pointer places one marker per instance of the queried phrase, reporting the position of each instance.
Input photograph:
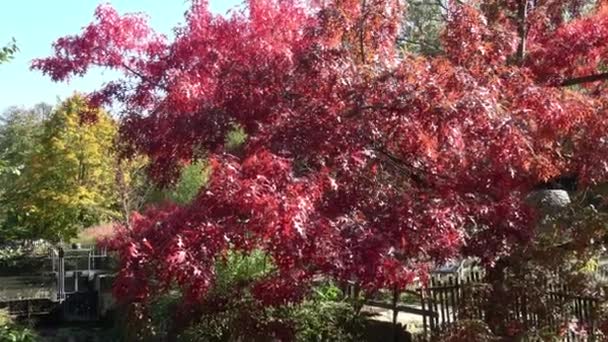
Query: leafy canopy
(360, 163)
(20, 131)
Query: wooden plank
(401, 308)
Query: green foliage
(67, 178)
(195, 175)
(20, 133)
(326, 317)
(192, 178)
(327, 321)
(240, 268)
(423, 24)
(230, 312)
(545, 334)
(8, 51)
(234, 272)
(10, 331)
(235, 139)
(161, 315)
(17, 259)
(9, 253)
(240, 313)
(242, 319)
(322, 317)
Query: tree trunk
(495, 310)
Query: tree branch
(143, 77)
(407, 169)
(584, 79)
(522, 14)
(362, 31)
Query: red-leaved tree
(362, 162)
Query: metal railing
(74, 260)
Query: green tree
(20, 132)
(20, 129)
(68, 180)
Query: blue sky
(37, 23)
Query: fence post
(395, 314)
(433, 295)
(452, 297)
(422, 302)
(61, 275)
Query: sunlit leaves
(350, 161)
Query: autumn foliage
(362, 162)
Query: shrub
(10, 331)
(230, 312)
(327, 320)
(319, 318)
(467, 330)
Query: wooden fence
(451, 299)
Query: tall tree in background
(67, 180)
(20, 129)
(360, 164)
(20, 132)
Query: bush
(227, 311)
(318, 321)
(319, 318)
(10, 331)
(230, 311)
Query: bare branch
(143, 77)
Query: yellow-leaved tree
(69, 181)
